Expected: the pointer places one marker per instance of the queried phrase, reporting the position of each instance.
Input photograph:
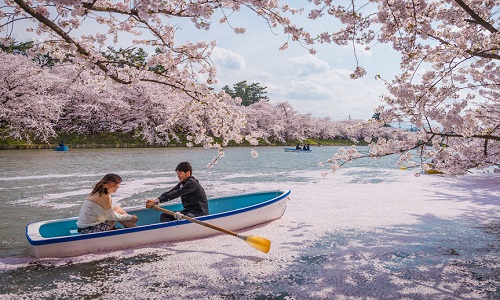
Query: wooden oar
(257, 242)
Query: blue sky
(318, 84)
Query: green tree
(133, 57)
(43, 60)
(130, 56)
(17, 47)
(249, 94)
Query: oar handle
(195, 221)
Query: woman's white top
(92, 214)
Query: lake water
(44, 184)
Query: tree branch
(479, 136)
(66, 37)
(484, 54)
(476, 17)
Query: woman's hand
(134, 219)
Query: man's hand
(151, 202)
(178, 216)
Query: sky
(317, 84)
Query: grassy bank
(101, 140)
(126, 140)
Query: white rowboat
(59, 238)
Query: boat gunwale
(95, 235)
(296, 150)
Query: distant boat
(295, 150)
(62, 148)
(58, 238)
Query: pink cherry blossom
(448, 86)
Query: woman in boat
(97, 212)
(193, 197)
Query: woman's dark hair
(100, 189)
(184, 167)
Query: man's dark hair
(184, 167)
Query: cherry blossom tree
(35, 101)
(30, 101)
(69, 99)
(281, 123)
(449, 81)
(64, 31)
(448, 86)
(80, 102)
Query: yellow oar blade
(258, 242)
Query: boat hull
(44, 238)
(61, 148)
(296, 150)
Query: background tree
(16, 47)
(184, 70)
(448, 85)
(23, 48)
(31, 99)
(249, 94)
(38, 102)
(127, 57)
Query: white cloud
(330, 93)
(307, 82)
(308, 89)
(308, 64)
(224, 58)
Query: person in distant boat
(193, 197)
(97, 212)
(61, 144)
(306, 147)
(298, 147)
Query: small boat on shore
(296, 150)
(59, 238)
(433, 171)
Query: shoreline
(313, 143)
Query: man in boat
(193, 197)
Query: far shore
(23, 146)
